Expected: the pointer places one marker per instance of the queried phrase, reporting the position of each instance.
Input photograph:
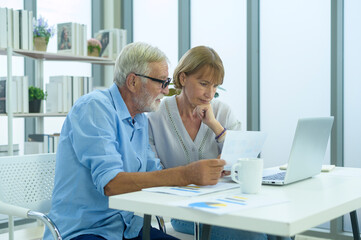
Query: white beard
(147, 103)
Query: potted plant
(94, 47)
(36, 95)
(42, 32)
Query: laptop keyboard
(277, 176)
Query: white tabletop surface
(311, 202)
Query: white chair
(26, 185)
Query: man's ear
(132, 82)
(182, 78)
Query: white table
(312, 202)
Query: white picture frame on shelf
(106, 39)
(66, 38)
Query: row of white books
(63, 91)
(19, 94)
(16, 28)
(41, 143)
(112, 40)
(72, 38)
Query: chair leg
(161, 224)
(354, 223)
(146, 226)
(11, 228)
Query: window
(156, 22)
(294, 70)
(352, 90)
(222, 26)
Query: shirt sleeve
(94, 140)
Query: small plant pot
(34, 106)
(40, 44)
(94, 53)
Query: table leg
(146, 226)
(196, 231)
(206, 232)
(354, 223)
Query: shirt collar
(119, 103)
(120, 106)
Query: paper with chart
(241, 144)
(193, 190)
(230, 203)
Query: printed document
(193, 190)
(241, 144)
(230, 203)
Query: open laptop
(307, 152)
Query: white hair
(135, 58)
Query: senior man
(104, 150)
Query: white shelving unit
(39, 58)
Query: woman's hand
(205, 113)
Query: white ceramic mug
(248, 173)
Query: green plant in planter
(36, 93)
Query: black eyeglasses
(164, 83)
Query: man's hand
(204, 172)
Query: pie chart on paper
(207, 205)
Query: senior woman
(192, 125)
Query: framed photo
(66, 36)
(106, 39)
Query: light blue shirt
(98, 140)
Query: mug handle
(233, 172)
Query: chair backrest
(28, 180)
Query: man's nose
(165, 90)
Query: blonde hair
(135, 58)
(196, 59)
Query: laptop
(307, 152)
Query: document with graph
(193, 190)
(230, 203)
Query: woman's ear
(182, 78)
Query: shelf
(27, 115)
(59, 57)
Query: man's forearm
(126, 182)
(202, 172)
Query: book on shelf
(54, 100)
(30, 28)
(24, 29)
(3, 28)
(2, 95)
(42, 143)
(66, 38)
(16, 29)
(9, 20)
(72, 38)
(112, 40)
(19, 95)
(106, 39)
(63, 91)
